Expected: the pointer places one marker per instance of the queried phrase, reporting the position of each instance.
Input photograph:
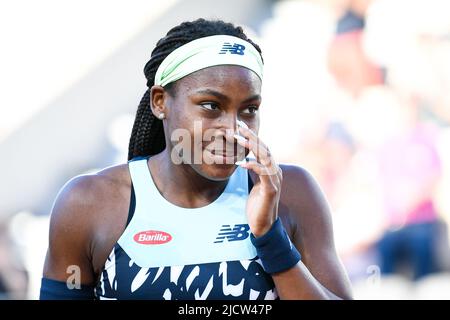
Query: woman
(182, 220)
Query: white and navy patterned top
(173, 253)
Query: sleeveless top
(173, 253)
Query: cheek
(253, 124)
(199, 131)
(179, 118)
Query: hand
(262, 203)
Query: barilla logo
(232, 48)
(237, 233)
(152, 237)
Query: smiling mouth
(223, 153)
(222, 157)
(223, 149)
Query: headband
(207, 52)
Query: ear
(158, 100)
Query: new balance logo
(232, 48)
(238, 232)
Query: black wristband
(275, 249)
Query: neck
(180, 184)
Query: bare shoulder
(299, 187)
(308, 208)
(85, 196)
(302, 203)
(89, 212)
(295, 176)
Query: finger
(257, 146)
(242, 141)
(250, 145)
(268, 162)
(252, 142)
(269, 183)
(265, 174)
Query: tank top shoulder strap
(250, 182)
(132, 206)
(134, 180)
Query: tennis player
(191, 215)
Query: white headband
(207, 52)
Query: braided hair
(147, 136)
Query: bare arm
(70, 232)
(319, 274)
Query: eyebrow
(224, 97)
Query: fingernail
(229, 134)
(242, 124)
(240, 138)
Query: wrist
(275, 249)
(261, 229)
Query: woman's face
(204, 108)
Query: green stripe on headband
(207, 52)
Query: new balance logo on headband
(232, 48)
(238, 232)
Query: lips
(222, 158)
(222, 153)
(221, 149)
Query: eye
(210, 106)
(250, 110)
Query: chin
(215, 172)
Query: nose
(229, 126)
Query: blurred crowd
(356, 92)
(366, 108)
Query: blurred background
(355, 91)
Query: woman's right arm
(68, 271)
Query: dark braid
(147, 136)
